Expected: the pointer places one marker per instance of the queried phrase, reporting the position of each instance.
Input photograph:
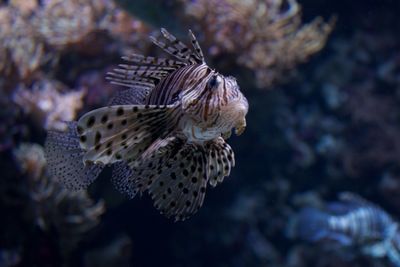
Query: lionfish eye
(213, 81)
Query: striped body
(164, 134)
(207, 110)
(362, 224)
(353, 221)
(170, 89)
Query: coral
(372, 105)
(51, 206)
(264, 36)
(63, 23)
(31, 159)
(5, 66)
(49, 103)
(26, 7)
(20, 43)
(35, 35)
(359, 98)
(44, 222)
(11, 126)
(99, 90)
(312, 134)
(80, 22)
(374, 114)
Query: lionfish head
(217, 102)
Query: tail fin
(65, 159)
(311, 225)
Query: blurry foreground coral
(44, 209)
(49, 103)
(45, 49)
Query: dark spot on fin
(129, 131)
(186, 192)
(65, 159)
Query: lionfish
(164, 134)
(353, 221)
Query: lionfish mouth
(240, 127)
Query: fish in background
(164, 134)
(351, 222)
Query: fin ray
(154, 61)
(196, 46)
(65, 159)
(122, 176)
(175, 175)
(176, 48)
(221, 160)
(123, 132)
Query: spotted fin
(127, 177)
(65, 159)
(175, 175)
(122, 177)
(116, 133)
(221, 160)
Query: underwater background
(322, 79)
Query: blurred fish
(164, 134)
(352, 221)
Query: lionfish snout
(234, 115)
(238, 106)
(228, 104)
(240, 127)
